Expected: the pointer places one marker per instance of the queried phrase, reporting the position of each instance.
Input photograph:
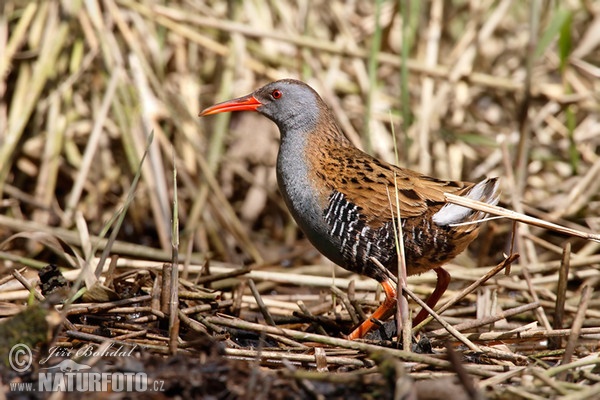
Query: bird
(344, 200)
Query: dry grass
(465, 89)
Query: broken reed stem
(463, 377)
(515, 216)
(343, 343)
(339, 294)
(561, 296)
(287, 342)
(532, 290)
(504, 264)
(221, 276)
(487, 320)
(132, 335)
(261, 304)
(81, 308)
(40, 297)
(589, 360)
(165, 296)
(207, 307)
(18, 276)
(533, 334)
(586, 295)
(110, 274)
(101, 339)
(192, 323)
(100, 243)
(403, 320)
(307, 313)
(453, 331)
(174, 321)
(304, 358)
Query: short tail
(486, 191)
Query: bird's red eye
(276, 94)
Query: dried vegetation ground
(464, 88)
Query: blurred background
(464, 89)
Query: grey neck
(292, 177)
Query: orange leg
(388, 304)
(443, 280)
(383, 311)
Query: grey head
(291, 104)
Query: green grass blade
(559, 20)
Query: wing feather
(373, 185)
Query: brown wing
(371, 185)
